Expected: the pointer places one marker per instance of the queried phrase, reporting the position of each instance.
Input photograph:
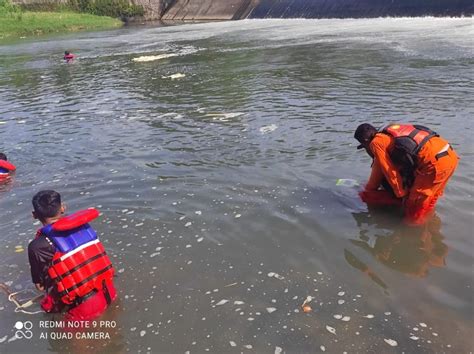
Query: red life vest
(409, 139)
(80, 264)
(7, 165)
(418, 133)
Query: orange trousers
(429, 184)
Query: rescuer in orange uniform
(415, 161)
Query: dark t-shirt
(40, 254)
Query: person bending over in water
(68, 57)
(68, 261)
(426, 160)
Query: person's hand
(39, 286)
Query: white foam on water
(268, 128)
(147, 58)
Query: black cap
(364, 133)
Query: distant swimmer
(68, 261)
(68, 57)
(412, 161)
(6, 168)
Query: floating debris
(323, 348)
(238, 302)
(347, 182)
(331, 330)
(275, 275)
(346, 318)
(369, 316)
(278, 350)
(414, 338)
(340, 293)
(337, 317)
(248, 346)
(222, 302)
(271, 309)
(307, 308)
(423, 324)
(232, 344)
(142, 333)
(391, 342)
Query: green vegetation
(36, 19)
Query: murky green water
(218, 188)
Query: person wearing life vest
(68, 261)
(6, 168)
(415, 161)
(68, 57)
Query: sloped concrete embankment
(206, 10)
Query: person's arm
(375, 179)
(40, 254)
(379, 148)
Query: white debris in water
(238, 216)
(337, 317)
(174, 76)
(200, 239)
(268, 128)
(146, 58)
(369, 316)
(182, 217)
(198, 212)
(331, 330)
(154, 254)
(387, 313)
(250, 319)
(435, 334)
(232, 344)
(423, 324)
(340, 293)
(189, 223)
(340, 302)
(391, 342)
(121, 270)
(275, 275)
(346, 319)
(3, 339)
(158, 249)
(248, 346)
(278, 350)
(222, 302)
(271, 309)
(238, 302)
(414, 338)
(188, 246)
(323, 348)
(142, 333)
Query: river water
(215, 167)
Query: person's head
(3, 156)
(66, 53)
(47, 206)
(364, 135)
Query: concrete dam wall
(239, 9)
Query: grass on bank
(74, 15)
(18, 24)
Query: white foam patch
(174, 76)
(146, 58)
(268, 128)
